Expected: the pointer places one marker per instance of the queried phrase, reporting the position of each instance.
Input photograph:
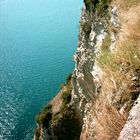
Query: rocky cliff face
(96, 100)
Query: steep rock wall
(106, 80)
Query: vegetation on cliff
(62, 124)
(98, 6)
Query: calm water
(37, 41)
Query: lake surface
(37, 41)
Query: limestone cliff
(96, 100)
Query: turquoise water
(37, 41)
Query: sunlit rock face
(132, 127)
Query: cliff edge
(100, 100)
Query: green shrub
(108, 61)
(48, 108)
(55, 117)
(106, 42)
(87, 4)
(86, 27)
(102, 7)
(45, 116)
(66, 96)
(98, 6)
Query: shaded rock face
(95, 102)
